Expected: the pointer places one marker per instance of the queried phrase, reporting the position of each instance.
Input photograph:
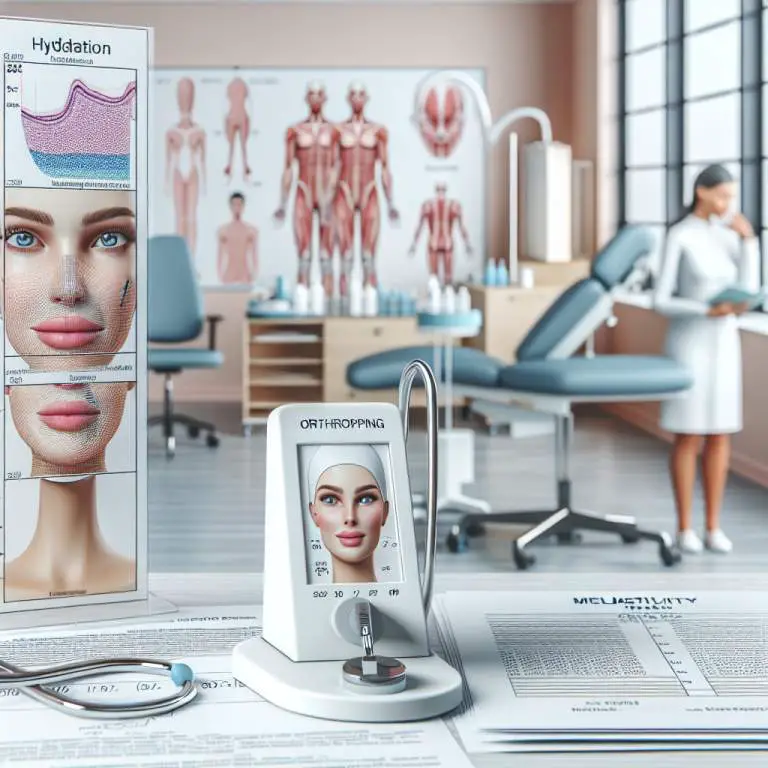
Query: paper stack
(557, 671)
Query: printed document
(552, 666)
(226, 725)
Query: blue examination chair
(552, 374)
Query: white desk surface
(229, 589)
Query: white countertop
(232, 589)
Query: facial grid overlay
(68, 427)
(69, 278)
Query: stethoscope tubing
(34, 685)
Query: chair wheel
(475, 529)
(456, 542)
(630, 538)
(212, 441)
(669, 555)
(193, 431)
(522, 559)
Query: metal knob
(370, 673)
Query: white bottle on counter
(317, 299)
(370, 301)
(463, 300)
(301, 299)
(434, 299)
(449, 300)
(355, 298)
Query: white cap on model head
(357, 86)
(66, 478)
(328, 456)
(315, 86)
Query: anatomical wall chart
(317, 174)
(73, 512)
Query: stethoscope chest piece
(374, 674)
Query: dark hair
(712, 176)
(237, 196)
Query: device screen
(350, 520)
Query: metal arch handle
(404, 403)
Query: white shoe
(717, 541)
(688, 541)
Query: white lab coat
(701, 258)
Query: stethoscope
(35, 685)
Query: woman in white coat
(706, 251)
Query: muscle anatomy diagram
(237, 124)
(312, 155)
(440, 118)
(290, 173)
(440, 215)
(238, 250)
(185, 145)
(363, 150)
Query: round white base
(317, 688)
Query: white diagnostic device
(344, 607)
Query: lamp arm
(409, 373)
(541, 117)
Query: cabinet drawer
(349, 339)
(363, 332)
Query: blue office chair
(176, 316)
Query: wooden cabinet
(510, 311)
(508, 314)
(282, 363)
(347, 339)
(556, 273)
(306, 360)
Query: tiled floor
(206, 505)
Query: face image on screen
(350, 520)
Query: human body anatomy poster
(74, 149)
(319, 174)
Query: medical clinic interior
(559, 208)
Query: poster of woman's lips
(74, 155)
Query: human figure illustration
(313, 146)
(238, 251)
(348, 504)
(363, 147)
(237, 124)
(68, 428)
(185, 147)
(68, 553)
(440, 215)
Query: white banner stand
(75, 156)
